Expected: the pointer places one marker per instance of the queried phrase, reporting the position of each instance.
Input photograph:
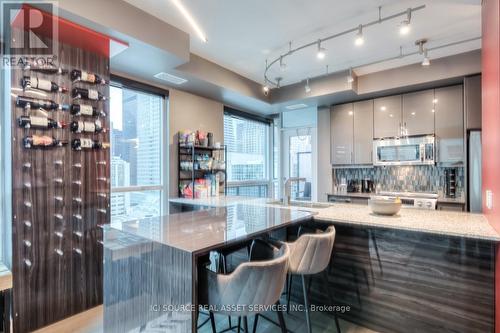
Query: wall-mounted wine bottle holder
(61, 197)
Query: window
(137, 188)
(247, 143)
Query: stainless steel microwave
(417, 150)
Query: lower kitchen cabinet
(451, 206)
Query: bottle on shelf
(84, 143)
(35, 103)
(86, 110)
(86, 126)
(92, 94)
(38, 122)
(45, 69)
(41, 84)
(79, 75)
(34, 141)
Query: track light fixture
(426, 61)
(321, 51)
(404, 27)
(360, 40)
(307, 88)
(265, 89)
(422, 49)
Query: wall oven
(417, 150)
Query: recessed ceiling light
(170, 78)
(435, 100)
(413, 113)
(391, 115)
(190, 20)
(296, 106)
(351, 113)
(383, 108)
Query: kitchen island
(429, 270)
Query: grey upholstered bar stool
(310, 254)
(249, 289)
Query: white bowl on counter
(384, 206)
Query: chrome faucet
(288, 188)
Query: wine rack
(61, 197)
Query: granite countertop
(201, 230)
(220, 201)
(460, 224)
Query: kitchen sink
(304, 204)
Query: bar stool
(310, 254)
(251, 288)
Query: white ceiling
(243, 34)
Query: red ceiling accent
(68, 32)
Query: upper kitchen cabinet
(363, 132)
(450, 124)
(418, 113)
(387, 117)
(342, 127)
(472, 96)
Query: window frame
(268, 180)
(125, 83)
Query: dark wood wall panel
(428, 283)
(56, 286)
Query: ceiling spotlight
(321, 51)
(282, 64)
(350, 76)
(426, 61)
(404, 27)
(360, 40)
(265, 89)
(307, 88)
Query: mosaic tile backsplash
(422, 178)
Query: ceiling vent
(170, 78)
(296, 106)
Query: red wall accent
(491, 125)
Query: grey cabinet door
(472, 89)
(450, 124)
(342, 134)
(418, 112)
(363, 132)
(387, 117)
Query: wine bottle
(46, 85)
(86, 126)
(86, 110)
(46, 69)
(35, 141)
(83, 143)
(25, 101)
(91, 94)
(78, 75)
(38, 122)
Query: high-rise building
(120, 176)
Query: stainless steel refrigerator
(474, 172)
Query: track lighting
(404, 27)
(350, 76)
(360, 40)
(321, 51)
(307, 88)
(426, 61)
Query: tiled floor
(91, 322)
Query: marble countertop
(201, 230)
(220, 201)
(449, 223)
